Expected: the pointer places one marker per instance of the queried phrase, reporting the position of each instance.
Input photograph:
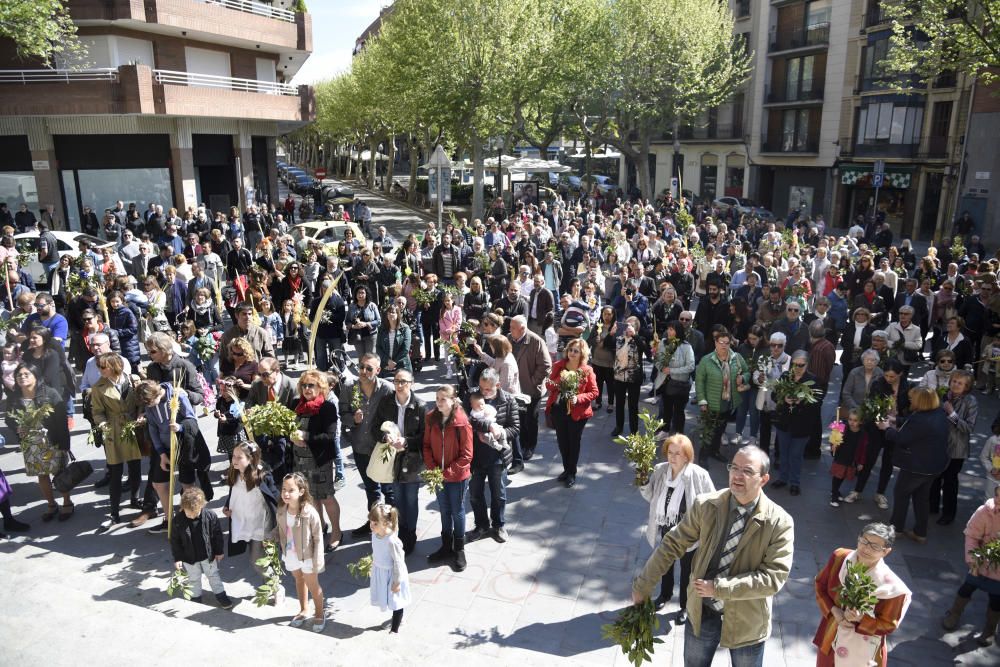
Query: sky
(336, 24)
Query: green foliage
(798, 392)
(271, 563)
(858, 590)
(876, 409)
(30, 420)
(987, 555)
(641, 448)
(434, 479)
(179, 584)
(932, 36)
(299, 6)
(361, 569)
(271, 419)
(40, 29)
(708, 421)
(634, 631)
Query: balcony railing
(742, 9)
(57, 75)
(781, 95)
(817, 34)
(929, 148)
(258, 8)
(719, 133)
(778, 146)
(211, 81)
(875, 16)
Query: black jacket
(190, 379)
(709, 314)
(484, 456)
(181, 539)
(919, 442)
(321, 435)
(408, 464)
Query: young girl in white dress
(390, 582)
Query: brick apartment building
(179, 102)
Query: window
(795, 130)
(799, 78)
(742, 9)
(818, 13)
(890, 123)
(875, 53)
(941, 119)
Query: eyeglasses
(777, 345)
(871, 545)
(793, 310)
(947, 361)
(746, 472)
(370, 369)
(237, 353)
(309, 385)
(403, 382)
(266, 374)
(799, 365)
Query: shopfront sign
(40, 165)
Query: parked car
(741, 205)
(604, 183)
(327, 232)
(68, 244)
(337, 195)
(303, 183)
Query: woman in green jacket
(719, 379)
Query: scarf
(667, 515)
(726, 381)
(309, 408)
(888, 584)
(295, 284)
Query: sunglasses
(309, 385)
(237, 353)
(370, 369)
(799, 365)
(266, 374)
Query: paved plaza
(72, 595)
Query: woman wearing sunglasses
(794, 418)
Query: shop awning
(860, 175)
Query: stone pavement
(539, 599)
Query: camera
(630, 291)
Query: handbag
(4, 488)
(408, 466)
(379, 469)
(853, 649)
(677, 387)
(72, 475)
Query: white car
(68, 242)
(325, 231)
(742, 206)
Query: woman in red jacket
(570, 411)
(448, 446)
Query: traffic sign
(320, 172)
(879, 167)
(878, 179)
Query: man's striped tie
(733, 541)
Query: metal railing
(817, 34)
(57, 75)
(171, 77)
(778, 146)
(928, 148)
(875, 15)
(780, 94)
(258, 8)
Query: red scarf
(295, 284)
(309, 408)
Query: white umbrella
(527, 165)
(490, 163)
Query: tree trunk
(387, 189)
(415, 151)
(372, 161)
(587, 150)
(645, 185)
(477, 177)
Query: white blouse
(248, 513)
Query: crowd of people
(541, 315)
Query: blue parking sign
(878, 180)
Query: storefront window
(18, 187)
(101, 188)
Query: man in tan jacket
(743, 559)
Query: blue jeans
(451, 504)
(748, 408)
(322, 350)
(699, 651)
(406, 503)
(375, 492)
(496, 475)
(338, 456)
(792, 449)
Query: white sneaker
(852, 496)
(881, 501)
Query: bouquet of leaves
(29, 421)
(206, 347)
(77, 283)
(957, 249)
(270, 562)
(434, 479)
(762, 367)
(422, 297)
(152, 311)
(271, 419)
(357, 399)
(798, 392)
(666, 352)
(942, 391)
(481, 262)
(708, 422)
(569, 386)
(179, 584)
(836, 434)
(683, 221)
(876, 408)
(385, 450)
(15, 321)
(634, 631)
(986, 556)
(553, 247)
(641, 448)
(696, 252)
(361, 569)
(858, 590)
